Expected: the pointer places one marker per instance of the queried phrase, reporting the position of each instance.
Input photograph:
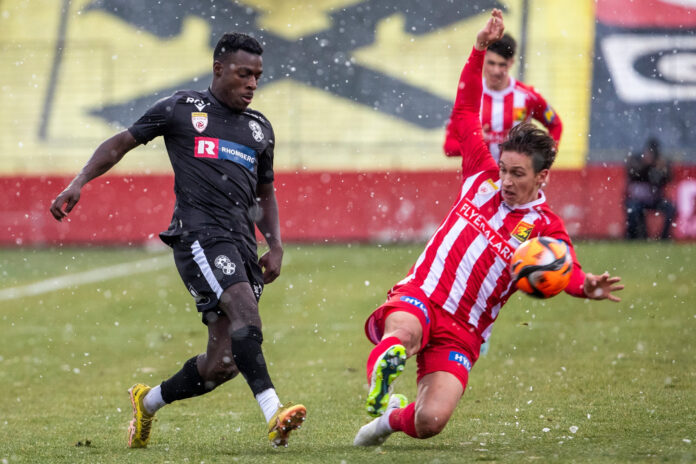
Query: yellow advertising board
(358, 85)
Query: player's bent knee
(224, 373)
(429, 424)
(218, 371)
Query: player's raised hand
(600, 287)
(68, 197)
(492, 31)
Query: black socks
(186, 383)
(246, 349)
(246, 346)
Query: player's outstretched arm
(104, 158)
(465, 114)
(600, 287)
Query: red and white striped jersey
(501, 110)
(464, 268)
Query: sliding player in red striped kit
(445, 307)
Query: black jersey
(219, 156)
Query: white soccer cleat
(377, 431)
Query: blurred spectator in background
(647, 175)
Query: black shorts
(208, 267)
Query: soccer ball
(541, 267)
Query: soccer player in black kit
(222, 156)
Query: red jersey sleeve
(577, 276)
(465, 118)
(545, 114)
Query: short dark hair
(528, 139)
(234, 41)
(505, 46)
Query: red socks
(377, 351)
(404, 420)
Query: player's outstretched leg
(376, 432)
(288, 418)
(140, 426)
(388, 366)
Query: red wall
(402, 206)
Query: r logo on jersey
(522, 231)
(200, 121)
(206, 147)
(210, 147)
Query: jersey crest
(199, 121)
(522, 231)
(256, 131)
(519, 114)
(487, 187)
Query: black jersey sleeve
(154, 122)
(265, 171)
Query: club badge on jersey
(487, 187)
(522, 231)
(519, 114)
(256, 131)
(199, 121)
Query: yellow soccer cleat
(140, 426)
(388, 367)
(288, 418)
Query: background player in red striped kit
(445, 307)
(505, 103)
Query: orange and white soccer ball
(541, 267)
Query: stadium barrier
(402, 206)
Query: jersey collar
(507, 89)
(215, 101)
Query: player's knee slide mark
(246, 350)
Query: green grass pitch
(565, 380)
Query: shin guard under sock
(186, 383)
(246, 350)
(404, 420)
(377, 352)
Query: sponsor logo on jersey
(200, 121)
(519, 114)
(256, 131)
(418, 304)
(225, 264)
(522, 231)
(487, 187)
(471, 214)
(209, 147)
(549, 115)
(197, 102)
(460, 358)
